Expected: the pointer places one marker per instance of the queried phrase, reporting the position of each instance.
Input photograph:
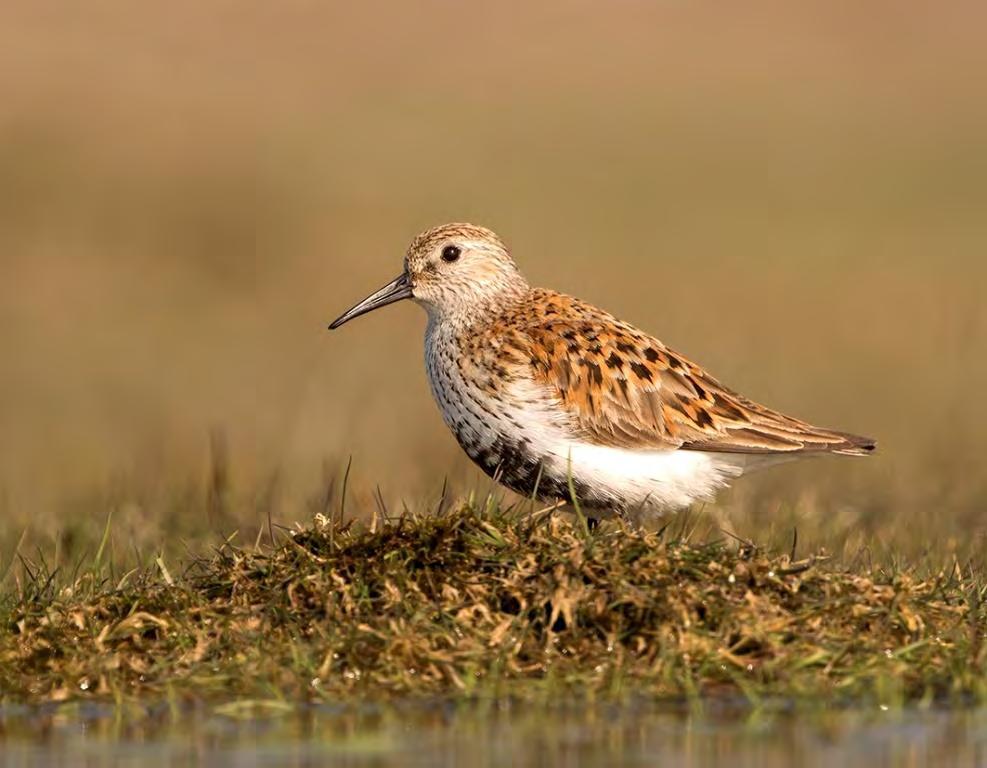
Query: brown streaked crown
(430, 239)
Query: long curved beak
(399, 288)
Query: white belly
(651, 481)
(654, 481)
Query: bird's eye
(450, 253)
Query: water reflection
(486, 734)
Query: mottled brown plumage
(626, 389)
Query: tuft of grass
(482, 601)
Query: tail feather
(792, 438)
(854, 445)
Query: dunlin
(554, 397)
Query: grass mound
(497, 603)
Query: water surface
(495, 734)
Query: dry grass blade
(491, 602)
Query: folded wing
(624, 388)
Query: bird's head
(454, 271)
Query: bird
(560, 401)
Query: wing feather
(626, 389)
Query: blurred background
(794, 195)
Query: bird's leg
(593, 516)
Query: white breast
(476, 417)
